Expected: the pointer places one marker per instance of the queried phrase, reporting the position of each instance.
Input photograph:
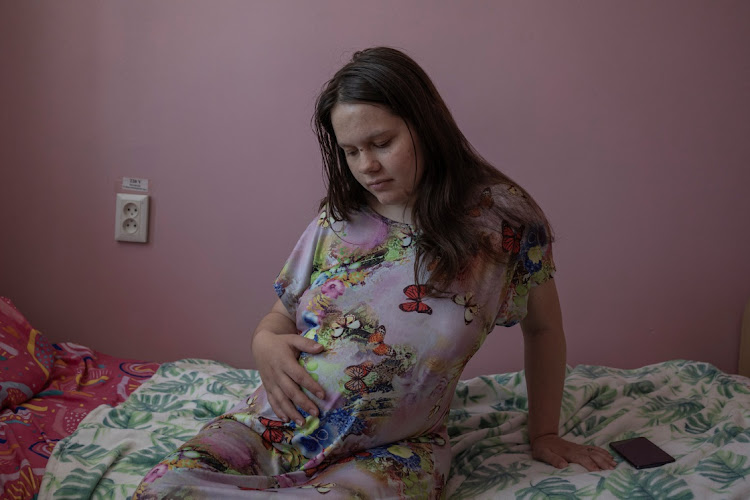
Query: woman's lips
(379, 185)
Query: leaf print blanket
(695, 412)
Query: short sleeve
(533, 266)
(296, 275)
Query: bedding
(46, 389)
(26, 357)
(695, 412)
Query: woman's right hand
(276, 349)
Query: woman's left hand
(560, 453)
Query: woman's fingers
(282, 403)
(555, 460)
(272, 392)
(283, 377)
(594, 458)
(293, 392)
(276, 407)
(306, 345)
(289, 397)
(560, 453)
(286, 407)
(588, 463)
(300, 375)
(603, 463)
(603, 458)
(303, 379)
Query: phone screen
(641, 453)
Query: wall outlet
(131, 217)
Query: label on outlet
(133, 184)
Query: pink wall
(627, 120)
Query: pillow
(26, 357)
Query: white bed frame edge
(744, 366)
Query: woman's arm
(544, 359)
(544, 364)
(276, 348)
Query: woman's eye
(383, 144)
(351, 153)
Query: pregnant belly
(384, 396)
(371, 400)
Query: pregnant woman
(420, 248)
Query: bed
(46, 389)
(694, 411)
(75, 424)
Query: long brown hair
(453, 170)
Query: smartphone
(641, 453)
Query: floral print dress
(393, 356)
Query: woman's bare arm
(544, 363)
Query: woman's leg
(227, 460)
(224, 455)
(412, 469)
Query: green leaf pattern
(726, 468)
(694, 411)
(648, 484)
(549, 488)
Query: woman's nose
(368, 162)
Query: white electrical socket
(131, 217)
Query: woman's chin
(389, 203)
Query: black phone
(641, 453)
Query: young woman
(421, 247)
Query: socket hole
(130, 209)
(130, 226)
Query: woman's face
(381, 156)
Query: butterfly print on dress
(470, 307)
(379, 347)
(415, 294)
(347, 323)
(511, 239)
(275, 430)
(485, 202)
(357, 373)
(406, 235)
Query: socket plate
(131, 217)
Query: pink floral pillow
(26, 357)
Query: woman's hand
(560, 453)
(276, 349)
